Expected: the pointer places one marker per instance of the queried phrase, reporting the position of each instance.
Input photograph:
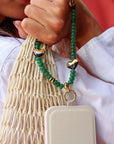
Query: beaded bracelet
(72, 64)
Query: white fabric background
(94, 82)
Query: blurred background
(103, 11)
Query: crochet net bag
(29, 94)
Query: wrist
(94, 30)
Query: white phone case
(70, 125)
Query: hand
(47, 20)
(50, 21)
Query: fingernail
(16, 24)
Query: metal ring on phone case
(69, 101)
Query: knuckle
(24, 23)
(52, 38)
(59, 11)
(58, 25)
(27, 10)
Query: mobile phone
(70, 125)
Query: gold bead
(38, 53)
(72, 64)
(72, 3)
(52, 79)
(67, 86)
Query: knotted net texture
(29, 95)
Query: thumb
(21, 32)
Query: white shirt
(94, 82)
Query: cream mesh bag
(28, 97)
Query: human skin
(13, 8)
(50, 21)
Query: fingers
(50, 2)
(53, 7)
(21, 31)
(37, 30)
(44, 18)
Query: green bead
(73, 46)
(61, 86)
(40, 63)
(73, 71)
(73, 10)
(73, 36)
(56, 83)
(73, 40)
(73, 13)
(73, 54)
(37, 46)
(71, 78)
(70, 82)
(73, 51)
(43, 68)
(46, 73)
(38, 59)
(73, 30)
(37, 43)
(49, 76)
(72, 75)
(73, 24)
(73, 33)
(73, 19)
(73, 57)
(73, 27)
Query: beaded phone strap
(72, 64)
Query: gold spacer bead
(52, 79)
(67, 86)
(72, 3)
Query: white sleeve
(94, 83)
(97, 56)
